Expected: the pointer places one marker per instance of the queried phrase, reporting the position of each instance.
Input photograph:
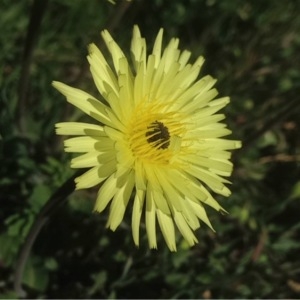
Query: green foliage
(252, 47)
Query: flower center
(154, 133)
(159, 135)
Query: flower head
(158, 142)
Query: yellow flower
(158, 140)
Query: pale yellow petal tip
(57, 84)
(79, 187)
(187, 244)
(98, 208)
(153, 246)
(160, 35)
(212, 229)
(223, 212)
(224, 101)
(61, 87)
(110, 226)
(238, 144)
(136, 31)
(225, 191)
(79, 184)
(57, 128)
(192, 241)
(227, 99)
(82, 182)
(172, 248)
(106, 36)
(152, 242)
(60, 128)
(92, 48)
(199, 61)
(136, 241)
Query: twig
(279, 157)
(260, 245)
(59, 197)
(37, 12)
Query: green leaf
(39, 196)
(295, 191)
(8, 295)
(15, 229)
(99, 282)
(35, 275)
(9, 248)
(51, 264)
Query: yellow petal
(120, 201)
(77, 128)
(167, 227)
(104, 78)
(138, 49)
(136, 214)
(92, 177)
(106, 192)
(80, 99)
(92, 159)
(184, 229)
(201, 213)
(157, 47)
(150, 220)
(113, 48)
(81, 144)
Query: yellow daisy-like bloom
(159, 139)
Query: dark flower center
(158, 134)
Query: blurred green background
(253, 49)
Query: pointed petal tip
(173, 248)
(153, 247)
(111, 226)
(91, 48)
(238, 144)
(56, 84)
(136, 242)
(136, 29)
(223, 212)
